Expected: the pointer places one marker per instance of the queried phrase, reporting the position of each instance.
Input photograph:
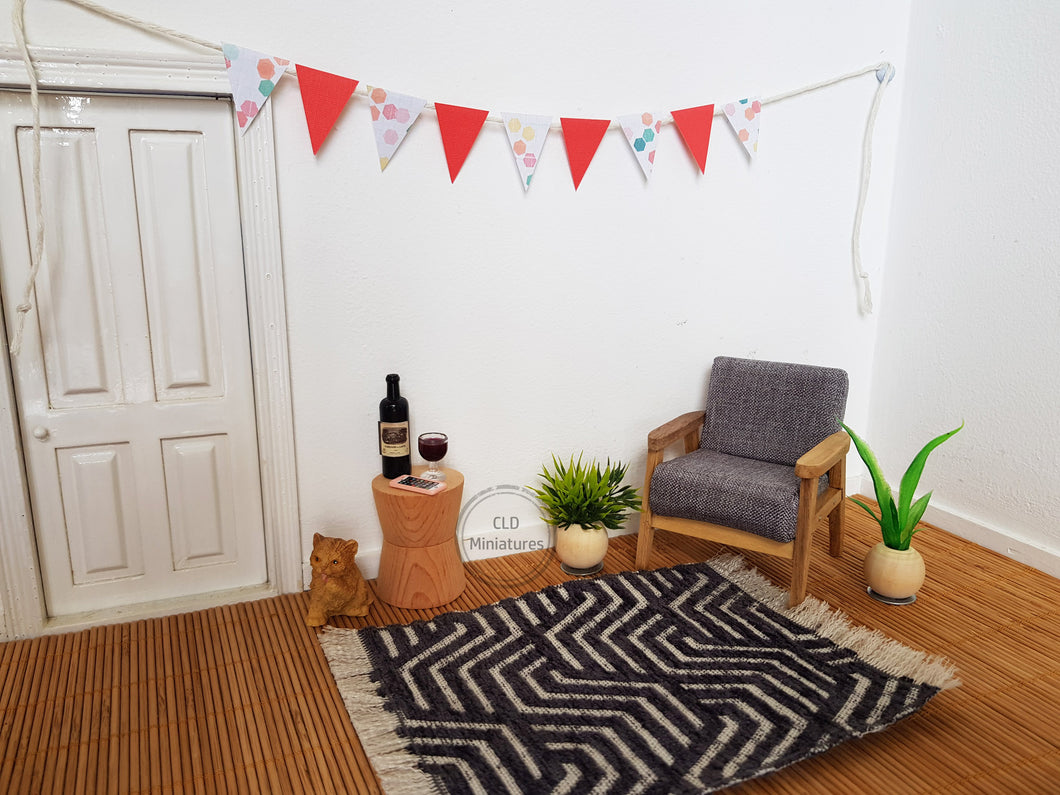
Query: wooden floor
(240, 698)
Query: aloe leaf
(912, 476)
(916, 513)
(871, 513)
(892, 531)
(888, 516)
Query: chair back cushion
(771, 411)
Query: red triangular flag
(459, 127)
(582, 138)
(324, 95)
(694, 125)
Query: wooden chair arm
(676, 429)
(824, 456)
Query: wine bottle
(394, 444)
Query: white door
(134, 381)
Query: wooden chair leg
(645, 538)
(837, 479)
(646, 534)
(800, 564)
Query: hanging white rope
(884, 73)
(150, 27)
(18, 19)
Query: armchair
(761, 465)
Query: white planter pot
(581, 551)
(894, 575)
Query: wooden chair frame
(829, 456)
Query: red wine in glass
(433, 447)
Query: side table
(419, 565)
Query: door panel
(81, 353)
(201, 508)
(170, 178)
(134, 382)
(98, 487)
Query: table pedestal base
(419, 577)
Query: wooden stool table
(420, 564)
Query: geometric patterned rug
(685, 679)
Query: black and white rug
(685, 679)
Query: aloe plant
(586, 495)
(898, 522)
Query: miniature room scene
(564, 398)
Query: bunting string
(459, 126)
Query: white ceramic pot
(579, 548)
(894, 573)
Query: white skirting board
(1023, 550)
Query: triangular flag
(392, 115)
(743, 116)
(526, 136)
(582, 138)
(642, 131)
(694, 125)
(324, 95)
(253, 77)
(459, 127)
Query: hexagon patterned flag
(744, 115)
(392, 115)
(253, 77)
(526, 137)
(642, 132)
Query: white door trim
(96, 71)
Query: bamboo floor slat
(239, 699)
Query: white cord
(18, 19)
(865, 299)
(144, 25)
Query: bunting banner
(694, 126)
(392, 115)
(253, 77)
(642, 131)
(459, 128)
(526, 136)
(324, 95)
(582, 137)
(743, 116)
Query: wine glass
(433, 447)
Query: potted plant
(582, 502)
(893, 569)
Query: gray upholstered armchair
(761, 466)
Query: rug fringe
(377, 728)
(870, 645)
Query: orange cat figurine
(337, 587)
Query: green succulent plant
(586, 495)
(898, 522)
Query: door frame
(21, 592)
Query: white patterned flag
(526, 137)
(743, 115)
(253, 76)
(392, 115)
(642, 132)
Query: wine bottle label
(394, 439)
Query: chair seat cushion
(707, 486)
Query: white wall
(970, 320)
(555, 320)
